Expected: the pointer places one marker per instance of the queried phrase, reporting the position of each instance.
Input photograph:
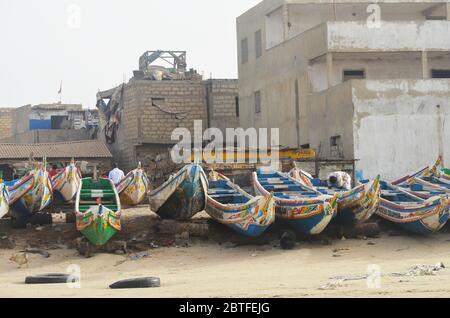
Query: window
(244, 51)
(335, 140)
(440, 73)
(236, 101)
(257, 102)
(305, 146)
(353, 74)
(258, 43)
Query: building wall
(144, 125)
(6, 122)
(49, 135)
(400, 126)
(221, 97)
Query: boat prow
(98, 210)
(67, 182)
(133, 188)
(230, 205)
(182, 196)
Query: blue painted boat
(305, 209)
(182, 196)
(413, 213)
(30, 194)
(230, 205)
(432, 177)
(354, 206)
(4, 199)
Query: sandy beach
(208, 269)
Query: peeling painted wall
(354, 36)
(400, 126)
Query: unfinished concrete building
(45, 123)
(352, 79)
(140, 116)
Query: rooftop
(75, 149)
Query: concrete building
(138, 117)
(352, 79)
(48, 123)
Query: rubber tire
(288, 240)
(53, 278)
(143, 282)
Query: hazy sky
(92, 44)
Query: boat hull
(4, 200)
(425, 218)
(251, 218)
(31, 194)
(133, 188)
(67, 182)
(98, 210)
(307, 216)
(182, 196)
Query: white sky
(40, 43)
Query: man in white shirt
(339, 179)
(115, 175)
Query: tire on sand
(144, 282)
(53, 278)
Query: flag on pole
(60, 88)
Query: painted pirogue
(30, 194)
(230, 205)
(97, 210)
(415, 214)
(354, 206)
(67, 181)
(305, 209)
(430, 177)
(182, 196)
(133, 187)
(4, 199)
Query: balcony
(390, 36)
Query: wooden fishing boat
(30, 194)
(98, 210)
(182, 196)
(4, 199)
(305, 209)
(354, 206)
(412, 212)
(133, 187)
(67, 181)
(431, 177)
(230, 205)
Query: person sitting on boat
(339, 179)
(115, 175)
(53, 171)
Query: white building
(351, 79)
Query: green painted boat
(97, 210)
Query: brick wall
(222, 95)
(6, 123)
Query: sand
(207, 269)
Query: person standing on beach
(115, 175)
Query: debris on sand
(287, 240)
(421, 270)
(416, 270)
(6, 242)
(138, 256)
(20, 259)
(332, 285)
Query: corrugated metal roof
(76, 149)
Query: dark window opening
(244, 51)
(60, 122)
(335, 140)
(354, 74)
(258, 44)
(440, 73)
(236, 101)
(305, 146)
(257, 102)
